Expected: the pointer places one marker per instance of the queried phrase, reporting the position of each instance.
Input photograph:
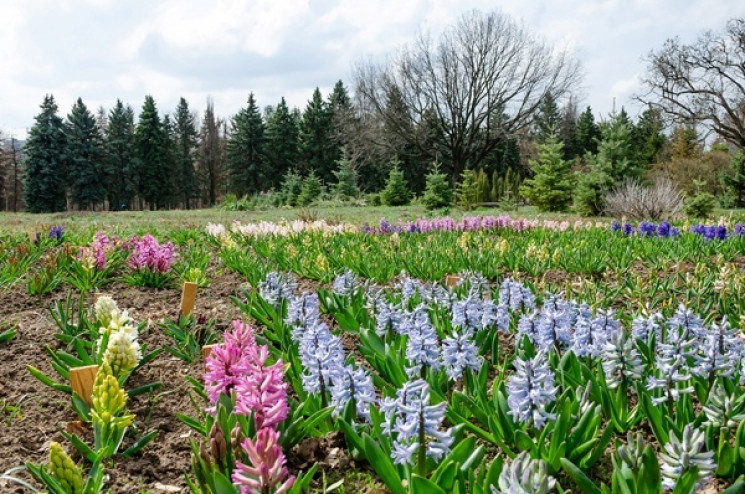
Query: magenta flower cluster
(239, 367)
(97, 251)
(147, 253)
(446, 223)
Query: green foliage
(292, 185)
(310, 191)
(282, 127)
(185, 142)
(588, 133)
(346, 179)
(468, 190)
(548, 119)
(396, 192)
(735, 180)
(438, 192)
(589, 195)
(551, 187)
(245, 151)
(317, 149)
(84, 157)
(483, 187)
(121, 159)
(153, 173)
(45, 176)
(700, 206)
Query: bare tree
(702, 82)
(480, 82)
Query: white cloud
(102, 50)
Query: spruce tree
(246, 161)
(468, 190)
(292, 185)
(438, 192)
(211, 155)
(311, 190)
(648, 139)
(588, 133)
(172, 196)
(154, 180)
(616, 152)
(317, 150)
(548, 119)
(346, 179)
(281, 142)
(551, 187)
(121, 158)
(186, 141)
(735, 180)
(396, 191)
(84, 157)
(45, 176)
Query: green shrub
(468, 190)
(700, 206)
(438, 192)
(396, 192)
(551, 187)
(346, 177)
(310, 191)
(292, 185)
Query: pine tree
(551, 187)
(154, 180)
(311, 190)
(396, 191)
(567, 131)
(121, 159)
(186, 141)
(171, 195)
(292, 185)
(438, 192)
(648, 140)
(246, 161)
(45, 175)
(211, 155)
(588, 133)
(84, 157)
(346, 179)
(483, 187)
(281, 142)
(615, 150)
(317, 150)
(548, 119)
(684, 143)
(735, 180)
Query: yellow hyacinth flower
(122, 353)
(108, 398)
(64, 470)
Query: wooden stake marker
(32, 237)
(451, 280)
(207, 350)
(188, 297)
(96, 296)
(81, 379)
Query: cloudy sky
(102, 50)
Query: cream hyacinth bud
(122, 353)
(106, 309)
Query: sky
(101, 50)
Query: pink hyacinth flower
(266, 472)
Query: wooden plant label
(32, 237)
(188, 297)
(96, 296)
(206, 350)
(81, 380)
(451, 280)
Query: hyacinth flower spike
(266, 472)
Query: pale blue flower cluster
(347, 283)
(621, 361)
(410, 419)
(531, 390)
(277, 287)
(351, 383)
(459, 353)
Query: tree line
(488, 101)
